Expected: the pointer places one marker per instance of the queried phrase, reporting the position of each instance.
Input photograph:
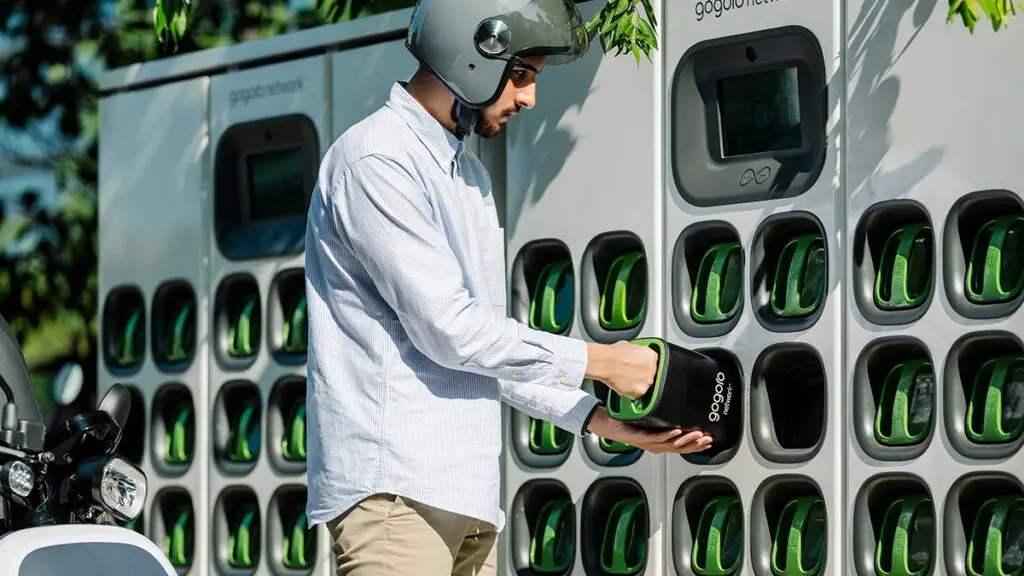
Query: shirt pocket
(492, 256)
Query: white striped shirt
(411, 350)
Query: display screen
(760, 112)
(277, 187)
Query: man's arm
(387, 218)
(566, 409)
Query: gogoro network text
(718, 7)
(244, 95)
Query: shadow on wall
(872, 51)
(560, 91)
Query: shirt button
(562, 380)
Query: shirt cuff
(569, 365)
(577, 418)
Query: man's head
(487, 53)
(520, 92)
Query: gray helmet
(472, 45)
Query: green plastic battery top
(623, 409)
(553, 298)
(244, 537)
(131, 343)
(905, 275)
(298, 542)
(995, 272)
(719, 283)
(177, 444)
(719, 538)
(799, 544)
(624, 546)
(995, 412)
(613, 446)
(546, 438)
(295, 328)
(551, 545)
(240, 332)
(244, 439)
(624, 298)
(997, 538)
(904, 413)
(799, 283)
(178, 541)
(293, 444)
(908, 533)
(180, 334)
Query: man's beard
(488, 126)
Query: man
(411, 351)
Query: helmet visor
(551, 28)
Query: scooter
(64, 492)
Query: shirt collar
(443, 146)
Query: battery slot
(973, 544)
(788, 402)
(895, 527)
(286, 425)
(790, 271)
(237, 528)
(894, 398)
(292, 547)
(174, 326)
(542, 529)
(124, 330)
(238, 320)
(238, 414)
(615, 527)
(983, 241)
(984, 395)
(543, 292)
(174, 428)
(174, 526)
(708, 279)
(894, 262)
(789, 528)
(287, 323)
(614, 287)
(707, 528)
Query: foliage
(999, 12)
(49, 101)
(619, 25)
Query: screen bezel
(238, 235)
(702, 175)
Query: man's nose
(527, 97)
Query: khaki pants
(387, 535)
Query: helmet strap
(465, 118)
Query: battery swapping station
(788, 189)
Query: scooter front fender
(81, 550)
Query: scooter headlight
(117, 485)
(17, 478)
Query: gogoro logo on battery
(718, 7)
(721, 399)
(244, 95)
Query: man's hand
(672, 441)
(628, 369)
